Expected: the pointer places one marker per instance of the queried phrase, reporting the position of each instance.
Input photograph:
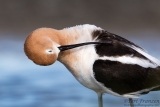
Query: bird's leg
(100, 100)
(131, 102)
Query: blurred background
(24, 84)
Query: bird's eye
(49, 51)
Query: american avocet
(98, 59)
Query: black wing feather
(118, 46)
(122, 78)
(125, 78)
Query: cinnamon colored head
(41, 46)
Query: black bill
(67, 47)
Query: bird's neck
(77, 34)
(74, 35)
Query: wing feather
(123, 66)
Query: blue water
(24, 84)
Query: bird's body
(115, 66)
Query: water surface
(24, 84)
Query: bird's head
(41, 46)
(44, 45)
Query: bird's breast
(80, 62)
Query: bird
(100, 60)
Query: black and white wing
(123, 66)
